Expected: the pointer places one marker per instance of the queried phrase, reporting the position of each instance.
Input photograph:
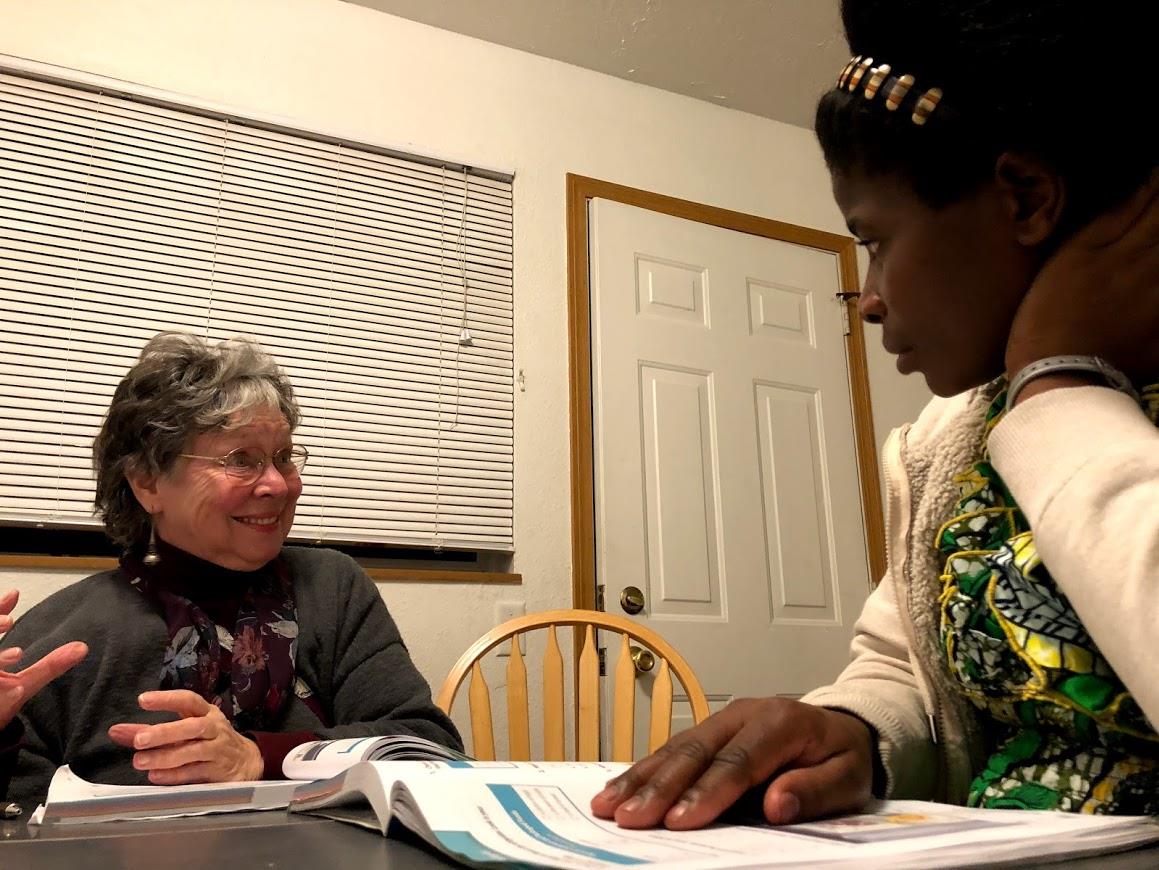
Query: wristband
(1071, 363)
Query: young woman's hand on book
(16, 687)
(201, 746)
(811, 762)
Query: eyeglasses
(246, 466)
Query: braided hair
(1066, 81)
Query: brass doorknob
(632, 599)
(642, 658)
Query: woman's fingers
(178, 731)
(16, 688)
(180, 701)
(124, 733)
(174, 755)
(641, 796)
(836, 785)
(62, 659)
(200, 771)
(8, 601)
(699, 774)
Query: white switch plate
(505, 610)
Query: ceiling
(769, 57)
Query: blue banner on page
(529, 822)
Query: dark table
(276, 841)
(235, 841)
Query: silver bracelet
(1055, 364)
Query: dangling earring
(152, 557)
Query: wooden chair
(668, 661)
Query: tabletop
(278, 841)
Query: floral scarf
(246, 671)
(1066, 734)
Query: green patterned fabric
(1066, 734)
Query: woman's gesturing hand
(16, 687)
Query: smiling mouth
(260, 522)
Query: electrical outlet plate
(505, 610)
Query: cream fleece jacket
(1083, 465)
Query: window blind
(381, 284)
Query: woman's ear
(1035, 195)
(144, 487)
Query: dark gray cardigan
(350, 654)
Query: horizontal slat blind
(382, 285)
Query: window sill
(389, 575)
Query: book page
(73, 800)
(538, 813)
(373, 780)
(548, 822)
(322, 759)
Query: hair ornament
(860, 70)
(898, 91)
(876, 77)
(844, 76)
(926, 103)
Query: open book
(321, 759)
(537, 814)
(73, 800)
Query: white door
(726, 482)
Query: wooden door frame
(581, 189)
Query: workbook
(538, 814)
(321, 759)
(73, 800)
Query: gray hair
(180, 387)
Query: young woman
(993, 157)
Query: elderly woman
(212, 650)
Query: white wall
(367, 76)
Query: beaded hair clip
(861, 67)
